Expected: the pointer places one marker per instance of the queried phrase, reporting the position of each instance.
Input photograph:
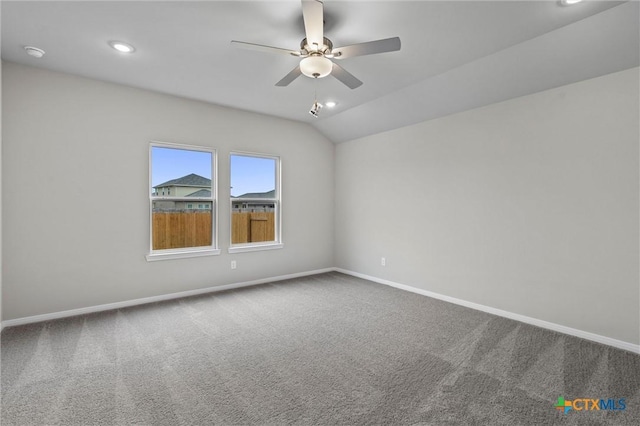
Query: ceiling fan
(317, 51)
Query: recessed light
(122, 47)
(569, 2)
(34, 51)
(329, 104)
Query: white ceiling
(455, 55)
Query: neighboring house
(197, 187)
(191, 185)
(254, 202)
(196, 204)
(182, 187)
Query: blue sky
(252, 174)
(169, 163)
(248, 174)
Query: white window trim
(180, 254)
(263, 245)
(242, 248)
(187, 252)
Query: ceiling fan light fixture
(316, 66)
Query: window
(255, 202)
(185, 174)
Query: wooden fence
(193, 229)
(179, 230)
(252, 227)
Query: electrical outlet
(233, 264)
(383, 261)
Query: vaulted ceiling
(455, 55)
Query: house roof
(188, 180)
(268, 194)
(201, 193)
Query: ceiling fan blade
(289, 77)
(263, 48)
(368, 48)
(345, 77)
(312, 12)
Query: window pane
(253, 221)
(181, 173)
(181, 229)
(253, 176)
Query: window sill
(255, 247)
(181, 254)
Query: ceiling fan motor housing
(324, 50)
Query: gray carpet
(322, 350)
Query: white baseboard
(506, 314)
(153, 299)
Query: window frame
(186, 252)
(276, 201)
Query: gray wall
(1, 268)
(86, 246)
(529, 206)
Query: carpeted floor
(321, 350)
